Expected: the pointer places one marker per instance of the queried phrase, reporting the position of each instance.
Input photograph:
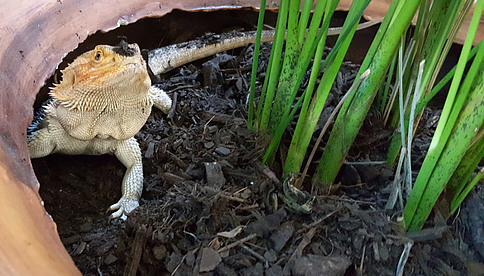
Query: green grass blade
(303, 21)
(427, 189)
(328, 122)
(263, 92)
(353, 112)
(279, 131)
(471, 118)
(458, 185)
(458, 200)
(289, 84)
(275, 69)
(255, 63)
(434, 37)
(384, 95)
(287, 91)
(307, 122)
(421, 105)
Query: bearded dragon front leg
(129, 153)
(160, 99)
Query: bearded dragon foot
(160, 99)
(129, 153)
(123, 207)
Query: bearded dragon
(106, 96)
(103, 100)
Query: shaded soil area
(210, 207)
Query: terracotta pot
(34, 38)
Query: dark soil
(210, 207)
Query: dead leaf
(232, 233)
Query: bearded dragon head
(102, 74)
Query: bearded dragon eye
(98, 55)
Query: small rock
(150, 150)
(208, 145)
(266, 224)
(274, 270)
(210, 259)
(159, 252)
(282, 235)
(239, 83)
(254, 270)
(86, 227)
(211, 73)
(215, 176)
(320, 265)
(70, 240)
(384, 254)
(222, 151)
(270, 256)
(223, 269)
(110, 259)
(174, 261)
(246, 194)
(190, 259)
(212, 129)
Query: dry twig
(136, 250)
(234, 244)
